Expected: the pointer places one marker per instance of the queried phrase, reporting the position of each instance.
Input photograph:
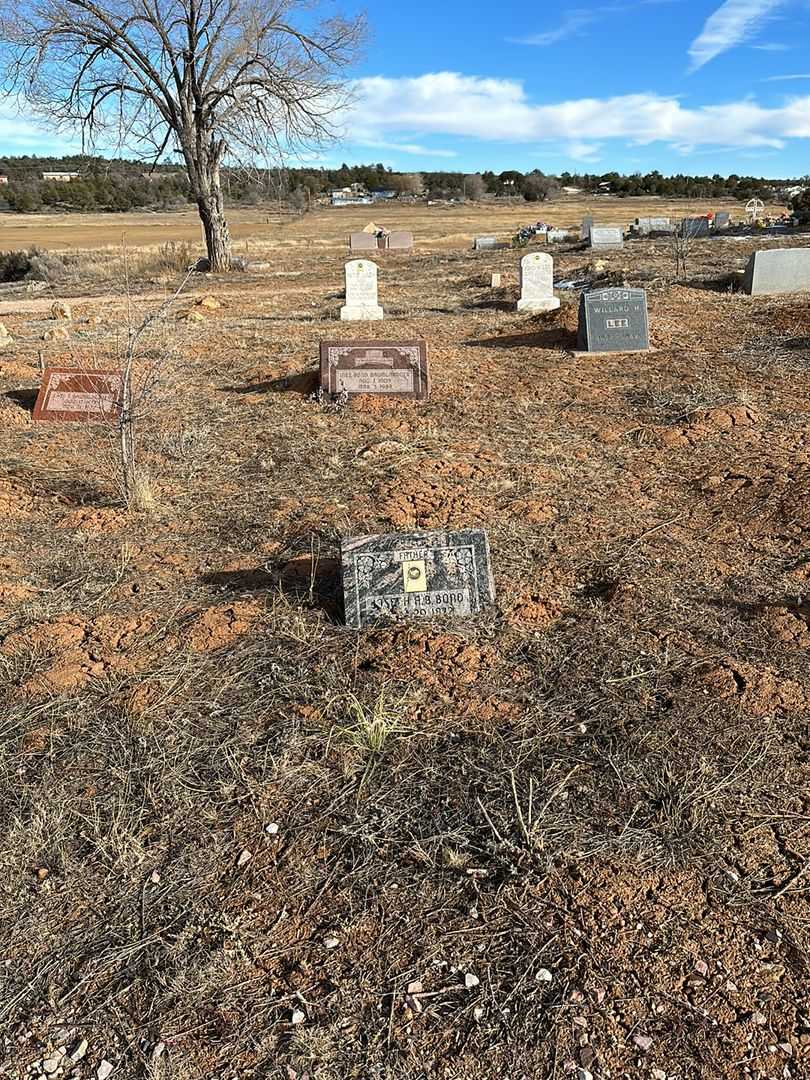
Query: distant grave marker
(361, 292)
(537, 283)
(488, 243)
(557, 236)
(585, 228)
(647, 226)
(695, 227)
(78, 394)
(400, 241)
(782, 270)
(395, 368)
(416, 575)
(722, 219)
(605, 237)
(361, 241)
(613, 320)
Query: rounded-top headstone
(361, 292)
(537, 283)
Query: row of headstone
(393, 241)
(362, 299)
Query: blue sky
(677, 85)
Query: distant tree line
(104, 185)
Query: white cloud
(572, 23)
(784, 78)
(450, 104)
(734, 22)
(583, 151)
(406, 148)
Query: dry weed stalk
(140, 375)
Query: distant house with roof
(60, 177)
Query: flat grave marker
(361, 292)
(394, 368)
(411, 576)
(537, 283)
(613, 320)
(80, 394)
(781, 270)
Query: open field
(436, 226)
(576, 827)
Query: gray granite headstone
(412, 576)
(722, 219)
(606, 237)
(694, 227)
(613, 320)
(585, 228)
(782, 270)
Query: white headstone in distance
(361, 292)
(537, 283)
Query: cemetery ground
(568, 837)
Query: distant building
(377, 195)
(60, 177)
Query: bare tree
(687, 230)
(206, 79)
(474, 187)
(408, 183)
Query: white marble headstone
(537, 283)
(361, 292)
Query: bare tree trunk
(215, 228)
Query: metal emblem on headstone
(416, 575)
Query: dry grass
(208, 781)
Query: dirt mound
(768, 501)
(436, 493)
(67, 652)
(217, 627)
(441, 661)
